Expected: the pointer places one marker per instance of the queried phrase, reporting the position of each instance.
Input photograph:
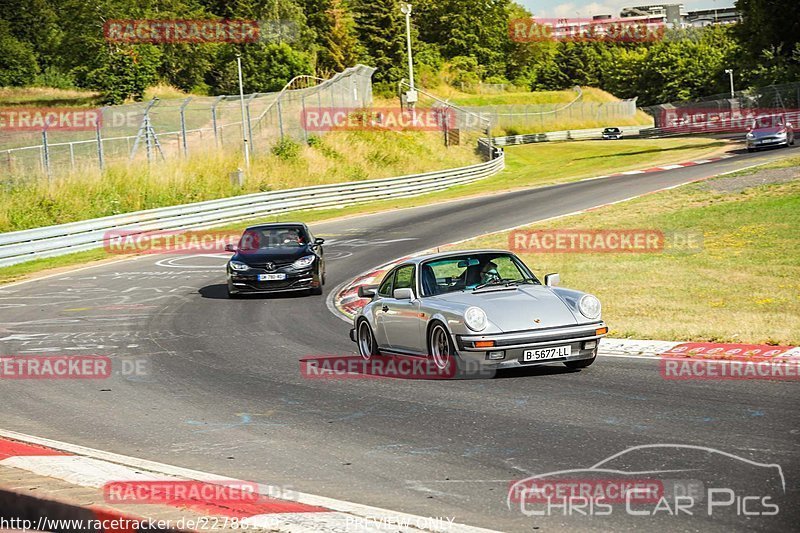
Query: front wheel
(367, 346)
(583, 363)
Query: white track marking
(154, 468)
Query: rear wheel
(583, 363)
(367, 346)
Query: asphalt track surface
(224, 394)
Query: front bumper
(247, 281)
(583, 341)
(767, 142)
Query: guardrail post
(183, 126)
(71, 155)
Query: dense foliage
(61, 43)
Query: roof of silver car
(441, 255)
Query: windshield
(279, 237)
(768, 122)
(473, 272)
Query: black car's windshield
(274, 237)
(472, 272)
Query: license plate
(271, 277)
(540, 354)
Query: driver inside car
(489, 273)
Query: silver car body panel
(519, 318)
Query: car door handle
(385, 308)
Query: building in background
(674, 15)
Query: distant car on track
(612, 134)
(477, 309)
(770, 130)
(276, 257)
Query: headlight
(304, 262)
(475, 319)
(750, 135)
(240, 267)
(589, 306)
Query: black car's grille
(265, 264)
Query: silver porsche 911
(480, 309)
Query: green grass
(124, 187)
(527, 166)
(742, 286)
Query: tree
(17, 60)
(381, 30)
(336, 40)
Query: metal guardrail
(50, 241)
(565, 135)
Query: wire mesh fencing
(726, 111)
(159, 130)
(458, 125)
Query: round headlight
(475, 319)
(589, 306)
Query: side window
(386, 285)
(404, 278)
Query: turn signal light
(484, 344)
(601, 331)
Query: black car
(612, 133)
(276, 258)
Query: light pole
(241, 101)
(411, 95)
(729, 72)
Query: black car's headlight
(304, 262)
(239, 266)
(589, 306)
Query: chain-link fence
(532, 118)
(167, 129)
(458, 125)
(773, 99)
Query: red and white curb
(664, 167)
(276, 510)
(344, 301)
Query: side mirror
(367, 291)
(230, 247)
(552, 280)
(319, 241)
(403, 294)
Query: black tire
(233, 295)
(749, 150)
(315, 291)
(583, 363)
(365, 339)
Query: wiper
(492, 282)
(523, 280)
